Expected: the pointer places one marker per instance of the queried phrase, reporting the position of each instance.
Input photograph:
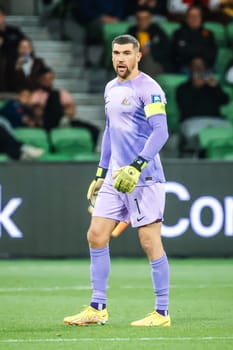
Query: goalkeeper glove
(126, 178)
(95, 186)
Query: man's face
(198, 72)
(24, 47)
(24, 96)
(125, 60)
(194, 18)
(143, 19)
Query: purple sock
(99, 271)
(162, 312)
(160, 279)
(98, 306)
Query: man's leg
(98, 238)
(150, 239)
(109, 209)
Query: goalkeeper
(129, 181)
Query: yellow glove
(126, 178)
(95, 186)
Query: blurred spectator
(199, 101)
(22, 72)
(226, 8)
(11, 36)
(153, 41)
(229, 73)
(157, 7)
(2, 66)
(16, 149)
(58, 105)
(214, 10)
(92, 15)
(192, 40)
(17, 111)
(102, 11)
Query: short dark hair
(143, 8)
(44, 70)
(126, 39)
(195, 6)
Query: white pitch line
(67, 340)
(80, 288)
(43, 289)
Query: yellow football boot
(88, 316)
(153, 320)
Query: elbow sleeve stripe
(154, 108)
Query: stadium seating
(219, 32)
(32, 136)
(218, 141)
(87, 157)
(71, 141)
(228, 156)
(227, 111)
(3, 157)
(220, 153)
(223, 57)
(169, 27)
(113, 29)
(230, 33)
(110, 31)
(228, 90)
(169, 83)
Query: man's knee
(96, 238)
(146, 242)
(150, 240)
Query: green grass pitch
(35, 295)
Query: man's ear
(139, 56)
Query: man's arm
(157, 138)
(101, 172)
(105, 148)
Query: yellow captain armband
(154, 108)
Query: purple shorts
(141, 207)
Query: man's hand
(126, 178)
(95, 186)
(93, 190)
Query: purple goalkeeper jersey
(136, 126)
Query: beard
(123, 75)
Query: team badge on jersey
(156, 98)
(126, 101)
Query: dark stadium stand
(67, 60)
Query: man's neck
(133, 75)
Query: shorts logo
(156, 98)
(140, 219)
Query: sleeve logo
(156, 98)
